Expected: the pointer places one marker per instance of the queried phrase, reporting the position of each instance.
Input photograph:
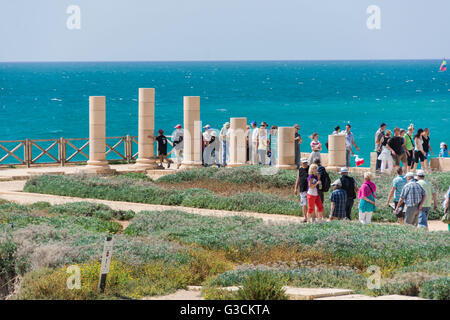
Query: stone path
(12, 191)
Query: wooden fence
(76, 150)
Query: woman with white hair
(366, 196)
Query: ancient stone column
(336, 151)
(192, 153)
(146, 129)
(286, 148)
(97, 137)
(238, 147)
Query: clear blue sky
(35, 30)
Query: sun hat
(344, 170)
(420, 173)
(178, 126)
(304, 160)
(207, 127)
(337, 183)
(226, 124)
(296, 126)
(442, 144)
(409, 175)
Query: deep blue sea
(50, 100)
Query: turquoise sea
(50, 100)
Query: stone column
(97, 137)
(336, 151)
(192, 153)
(238, 147)
(146, 144)
(286, 148)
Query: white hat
(304, 160)
(337, 183)
(420, 173)
(344, 169)
(409, 175)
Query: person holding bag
(366, 195)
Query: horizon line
(220, 60)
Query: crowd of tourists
(408, 147)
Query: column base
(287, 166)
(190, 165)
(144, 164)
(99, 170)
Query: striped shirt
(339, 197)
(412, 193)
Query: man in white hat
(225, 141)
(178, 144)
(351, 188)
(430, 194)
(302, 184)
(413, 195)
(338, 199)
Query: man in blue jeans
(224, 138)
(349, 141)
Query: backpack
(348, 184)
(326, 181)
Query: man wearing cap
(302, 184)
(297, 140)
(225, 139)
(178, 144)
(430, 194)
(254, 143)
(338, 199)
(351, 188)
(379, 139)
(413, 195)
(262, 139)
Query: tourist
(426, 147)
(419, 153)
(338, 200)
(349, 142)
(366, 197)
(336, 130)
(429, 194)
(379, 139)
(413, 196)
(273, 145)
(315, 207)
(215, 147)
(297, 140)
(247, 142)
(254, 143)
(387, 162)
(178, 144)
(324, 179)
(302, 184)
(409, 145)
(262, 139)
(316, 147)
(351, 188)
(225, 141)
(443, 152)
(446, 205)
(208, 147)
(397, 147)
(162, 149)
(397, 186)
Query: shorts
(412, 215)
(401, 214)
(314, 201)
(423, 217)
(400, 158)
(303, 199)
(410, 157)
(418, 156)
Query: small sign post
(106, 261)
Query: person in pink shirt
(366, 196)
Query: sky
(167, 30)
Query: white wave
(222, 110)
(55, 99)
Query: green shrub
(437, 289)
(97, 210)
(40, 205)
(262, 285)
(7, 265)
(408, 284)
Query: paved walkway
(12, 191)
